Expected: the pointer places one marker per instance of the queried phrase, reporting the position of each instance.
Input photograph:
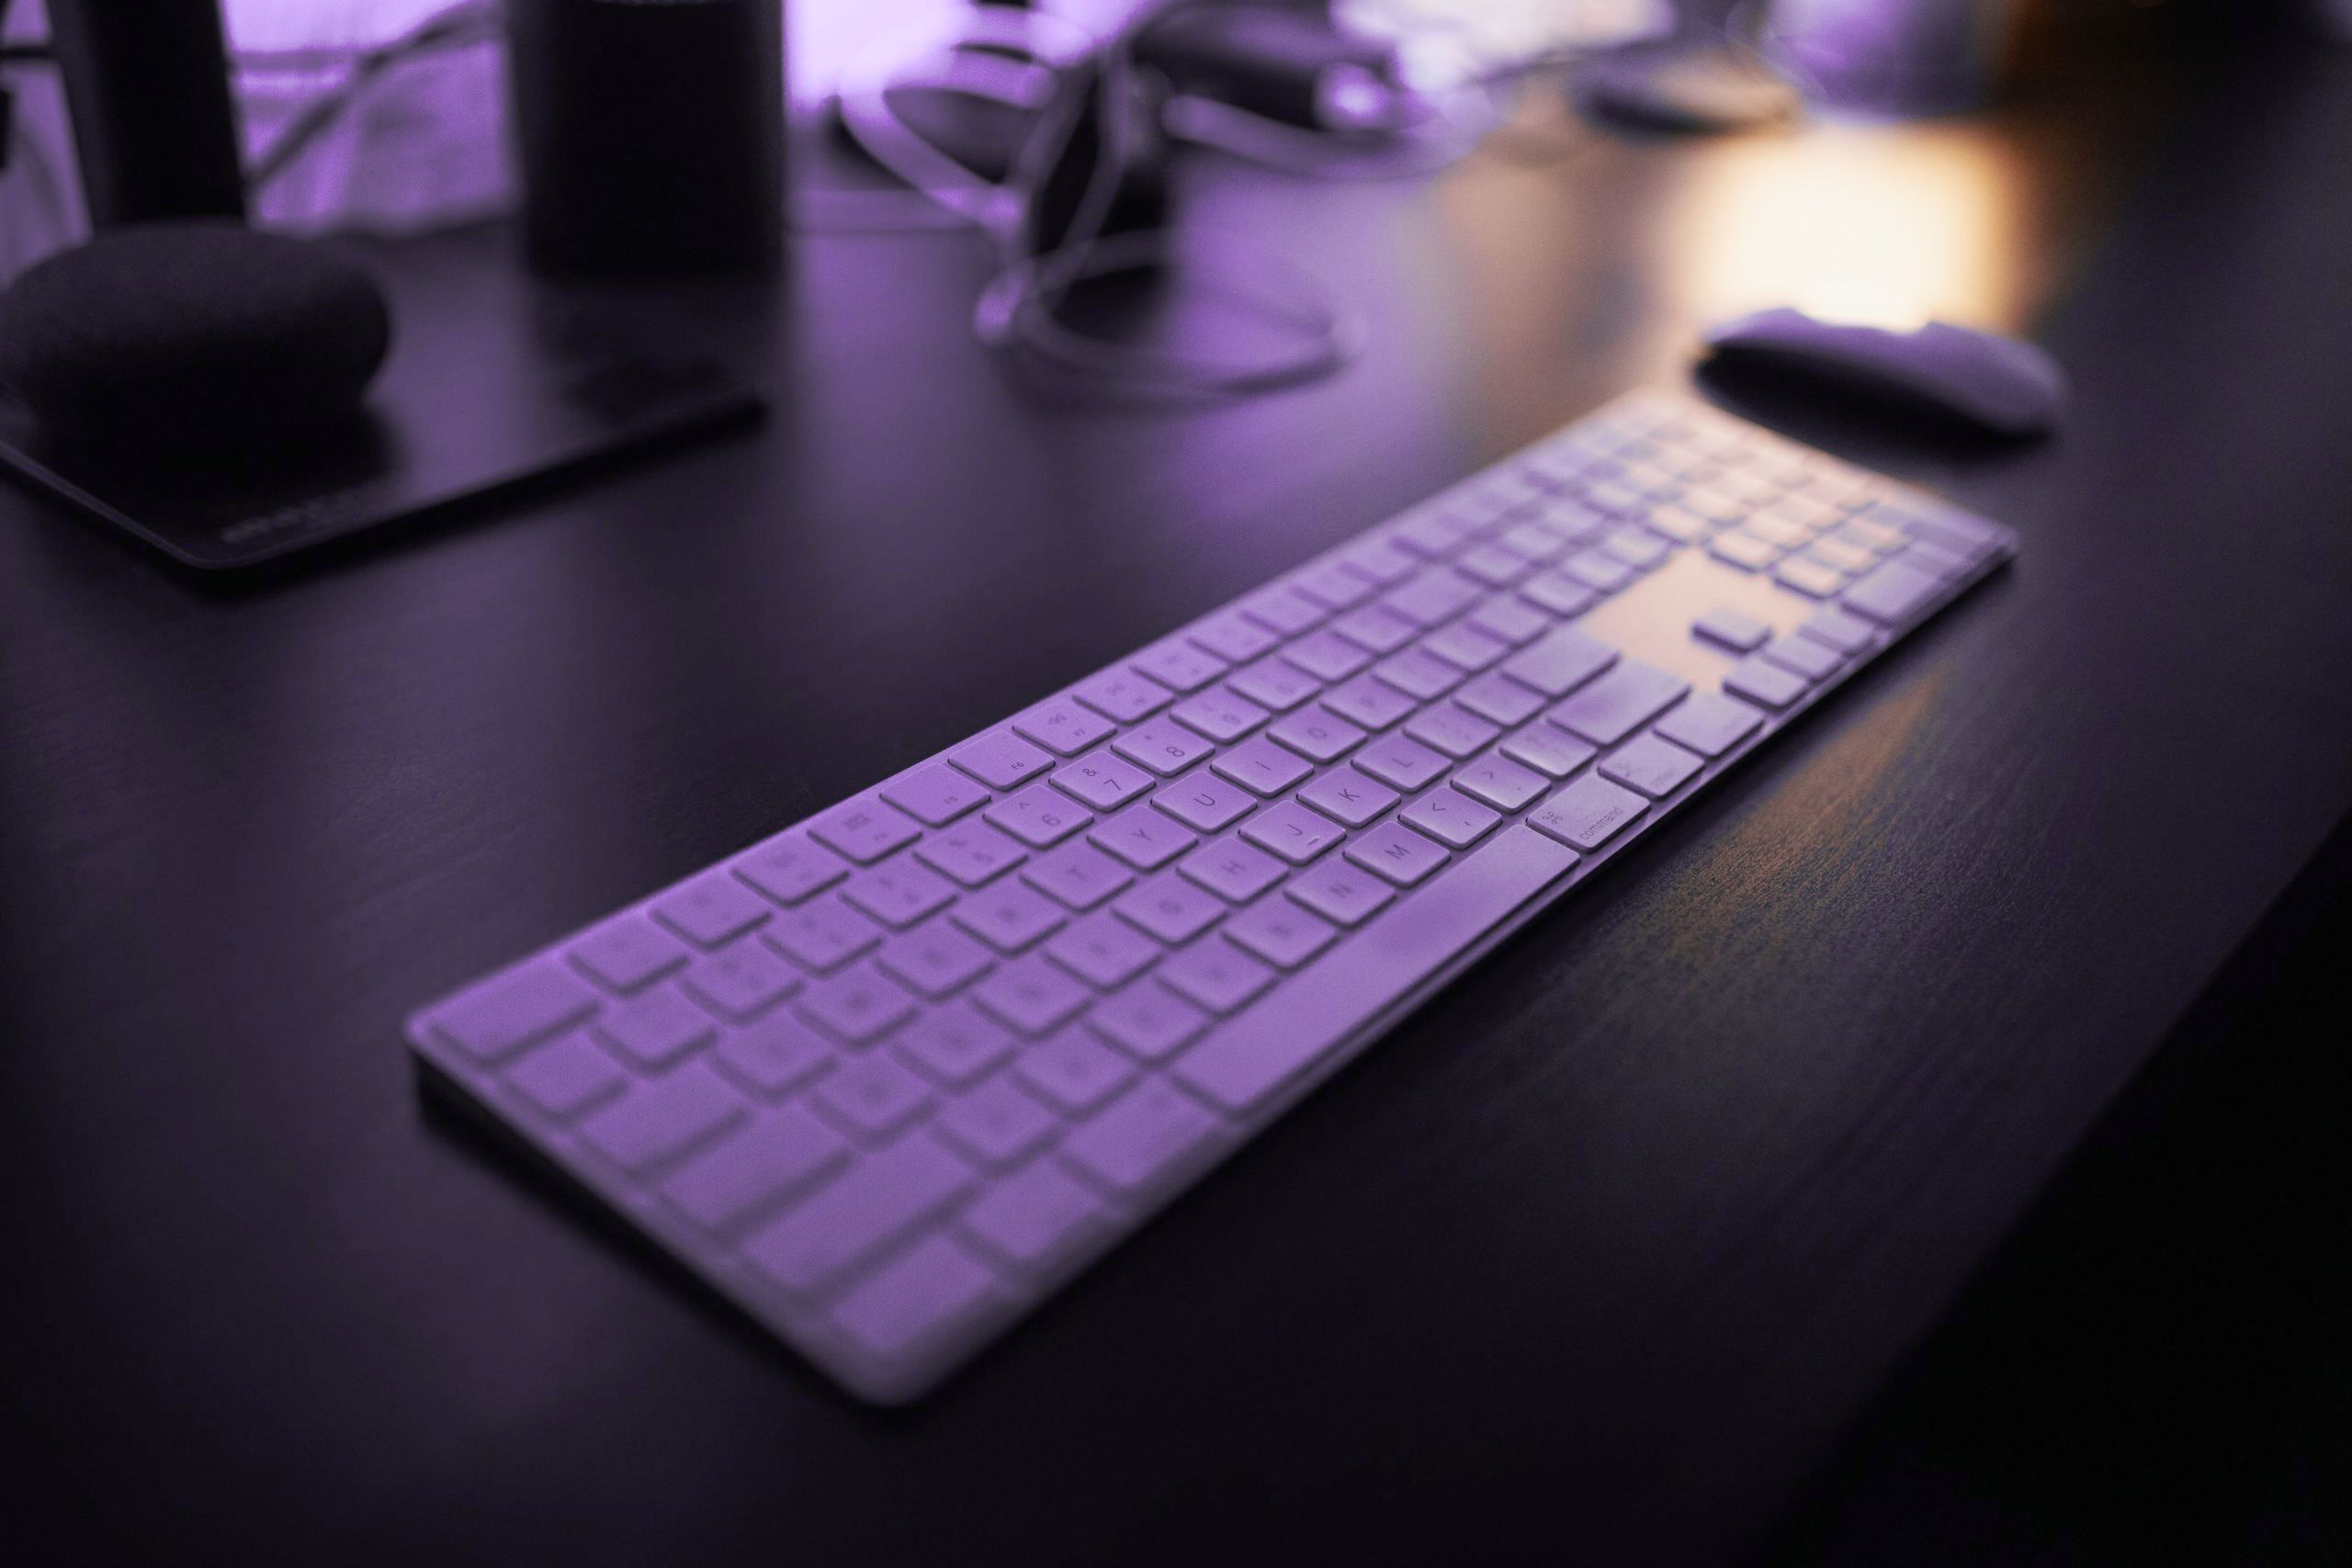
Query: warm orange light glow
(1851, 222)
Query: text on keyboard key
(864, 830)
(935, 795)
(1589, 812)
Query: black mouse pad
(493, 382)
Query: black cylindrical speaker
(651, 133)
(154, 126)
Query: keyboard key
(1214, 975)
(775, 1056)
(1535, 540)
(1892, 591)
(1618, 702)
(1550, 752)
(1233, 637)
(1348, 797)
(936, 1289)
(1450, 818)
(1074, 1071)
(1418, 674)
(1810, 578)
(1102, 949)
(1807, 658)
(823, 933)
(742, 979)
(1598, 570)
(1657, 768)
(857, 1006)
(1379, 559)
(999, 1123)
(935, 795)
(1219, 715)
(1149, 1135)
(1452, 730)
(1464, 647)
(1841, 556)
(710, 908)
(1280, 932)
(1122, 695)
(1147, 1021)
(1102, 780)
(1009, 917)
(1231, 870)
(1203, 801)
(1501, 699)
(1339, 892)
(899, 894)
(1319, 735)
(1002, 759)
(1031, 995)
(973, 853)
(1589, 812)
(627, 952)
(864, 830)
(1368, 701)
(1165, 748)
(1335, 585)
(1062, 726)
(1275, 684)
(1767, 683)
(1401, 762)
(1038, 816)
(936, 960)
(1563, 659)
(1279, 607)
(1376, 628)
(1710, 724)
(1394, 852)
(1180, 666)
(1731, 629)
(1744, 550)
(566, 1075)
(788, 867)
(656, 1028)
(1493, 565)
(1239, 1064)
(855, 1217)
(1169, 908)
(1433, 595)
(1262, 767)
(1034, 1219)
(1077, 874)
(1500, 783)
(1559, 592)
(1510, 619)
(1834, 628)
(1780, 531)
(655, 1124)
(1327, 656)
(1291, 831)
(1145, 839)
(1637, 549)
(754, 1169)
(873, 1097)
(953, 1045)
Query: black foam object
(179, 334)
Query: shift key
(1240, 1065)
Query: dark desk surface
(1595, 1257)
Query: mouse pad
(493, 381)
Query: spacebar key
(1241, 1063)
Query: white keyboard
(889, 1077)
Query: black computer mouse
(174, 336)
(1994, 383)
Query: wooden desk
(1590, 1262)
